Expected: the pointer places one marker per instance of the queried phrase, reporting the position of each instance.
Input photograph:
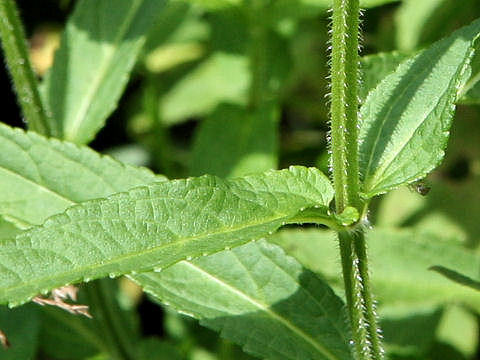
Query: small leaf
(233, 142)
(154, 226)
(259, 298)
(99, 47)
(406, 119)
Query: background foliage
(188, 109)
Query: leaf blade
(82, 91)
(257, 287)
(406, 118)
(40, 172)
(150, 227)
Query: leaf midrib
(139, 254)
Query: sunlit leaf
(406, 119)
(154, 226)
(99, 47)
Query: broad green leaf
(154, 226)
(396, 257)
(376, 67)
(259, 298)
(406, 119)
(47, 176)
(234, 142)
(99, 47)
(201, 90)
(22, 327)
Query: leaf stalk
(17, 58)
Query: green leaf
(259, 298)
(49, 175)
(204, 88)
(470, 93)
(396, 257)
(98, 50)
(154, 226)
(406, 119)
(233, 142)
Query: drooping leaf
(98, 50)
(201, 90)
(233, 142)
(396, 257)
(154, 226)
(259, 298)
(40, 177)
(406, 119)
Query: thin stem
(344, 103)
(344, 161)
(366, 333)
(18, 62)
(108, 320)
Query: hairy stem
(109, 322)
(344, 103)
(18, 62)
(344, 161)
(366, 333)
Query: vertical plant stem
(366, 333)
(18, 62)
(26, 86)
(344, 103)
(344, 161)
(108, 321)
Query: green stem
(18, 62)
(344, 103)
(107, 316)
(366, 335)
